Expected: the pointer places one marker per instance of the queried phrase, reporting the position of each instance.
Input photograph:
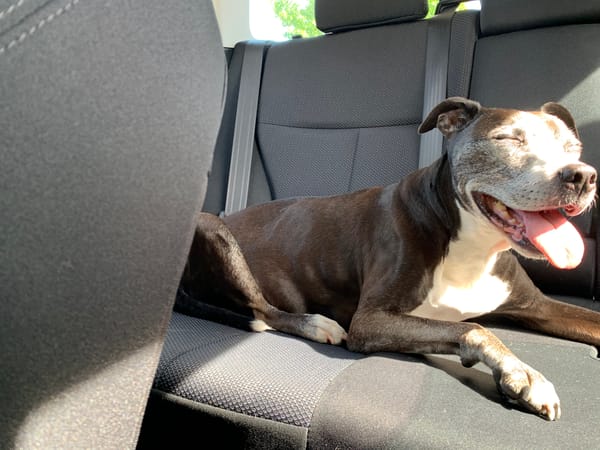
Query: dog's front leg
(377, 330)
(531, 308)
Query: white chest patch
(463, 284)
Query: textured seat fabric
(340, 112)
(271, 390)
(109, 116)
(509, 15)
(321, 131)
(329, 125)
(194, 365)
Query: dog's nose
(579, 177)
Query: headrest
(341, 15)
(504, 16)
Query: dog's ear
(562, 113)
(451, 115)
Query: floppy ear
(562, 113)
(451, 115)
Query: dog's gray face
(520, 172)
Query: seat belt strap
(245, 126)
(436, 79)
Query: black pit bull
(401, 267)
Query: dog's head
(520, 173)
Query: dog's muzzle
(579, 178)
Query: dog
(401, 268)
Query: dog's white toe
(542, 397)
(322, 329)
(259, 325)
(532, 390)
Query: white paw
(531, 390)
(259, 325)
(322, 329)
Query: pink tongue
(555, 237)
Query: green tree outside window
(298, 19)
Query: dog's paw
(529, 388)
(322, 329)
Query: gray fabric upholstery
(505, 16)
(109, 115)
(549, 64)
(343, 15)
(320, 98)
(348, 400)
(259, 190)
(304, 87)
(396, 401)
(304, 162)
(227, 368)
(463, 36)
(175, 422)
(328, 126)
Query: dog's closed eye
(574, 147)
(511, 138)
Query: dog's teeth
(507, 217)
(502, 212)
(500, 207)
(517, 235)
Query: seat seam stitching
(366, 127)
(8, 11)
(352, 167)
(50, 18)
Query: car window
(282, 19)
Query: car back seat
(337, 113)
(327, 103)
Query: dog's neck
(474, 243)
(474, 250)
(466, 243)
(464, 283)
(426, 199)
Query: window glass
(282, 19)
(432, 4)
(475, 4)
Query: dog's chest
(454, 300)
(464, 284)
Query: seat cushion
(271, 387)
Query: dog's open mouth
(546, 232)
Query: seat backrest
(109, 118)
(337, 112)
(529, 53)
(340, 112)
